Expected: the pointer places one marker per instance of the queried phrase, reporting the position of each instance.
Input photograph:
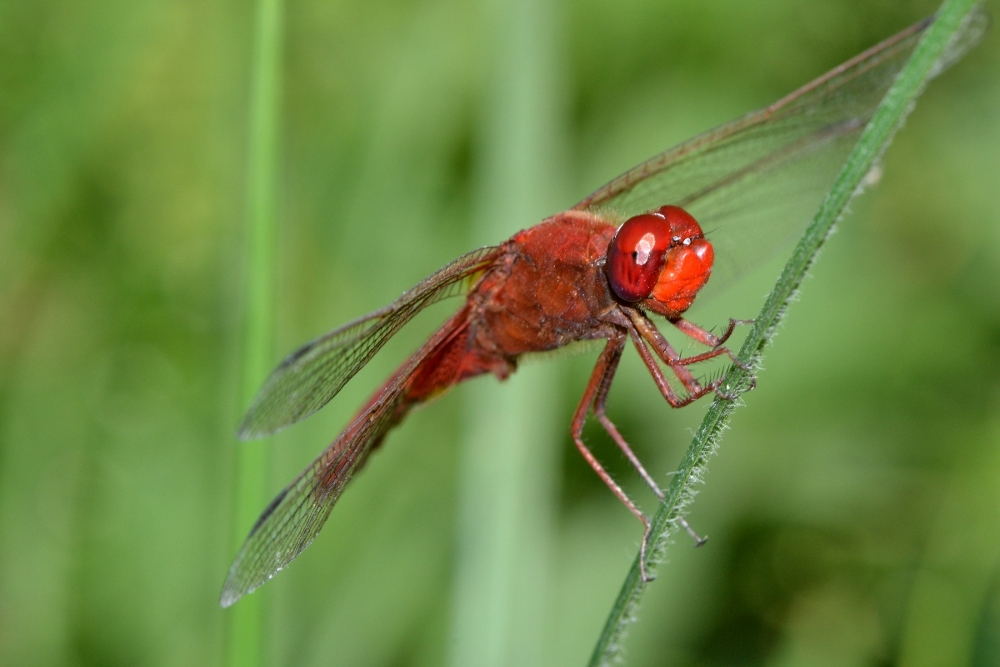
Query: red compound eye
(683, 226)
(662, 258)
(636, 256)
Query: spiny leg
(716, 342)
(609, 359)
(648, 331)
(708, 339)
(703, 336)
(664, 350)
(600, 410)
(694, 389)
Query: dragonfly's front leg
(643, 332)
(708, 339)
(695, 390)
(678, 364)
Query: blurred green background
(854, 508)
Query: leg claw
(698, 540)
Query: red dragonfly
(645, 243)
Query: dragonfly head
(660, 259)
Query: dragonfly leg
(698, 358)
(709, 339)
(602, 375)
(600, 410)
(698, 540)
(648, 331)
(732, 397)
(671, 358)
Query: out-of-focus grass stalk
(245, 646)
(509, 469)
(887, 119)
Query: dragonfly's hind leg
(600, 379)
(600, 410)
(698, 539)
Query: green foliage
(852, 513)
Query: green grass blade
(245, 646)
(899, 100)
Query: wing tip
(249, 431)
(234, 589)
(228, 597)
(254, 427)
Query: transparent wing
(293, 519)
(753, 182)
(312, 375)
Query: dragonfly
(642, 246)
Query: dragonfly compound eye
(663, 255)
(636, 256)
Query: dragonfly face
(660, 258)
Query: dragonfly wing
(312, 375)
(753, 182)
(293, 519)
